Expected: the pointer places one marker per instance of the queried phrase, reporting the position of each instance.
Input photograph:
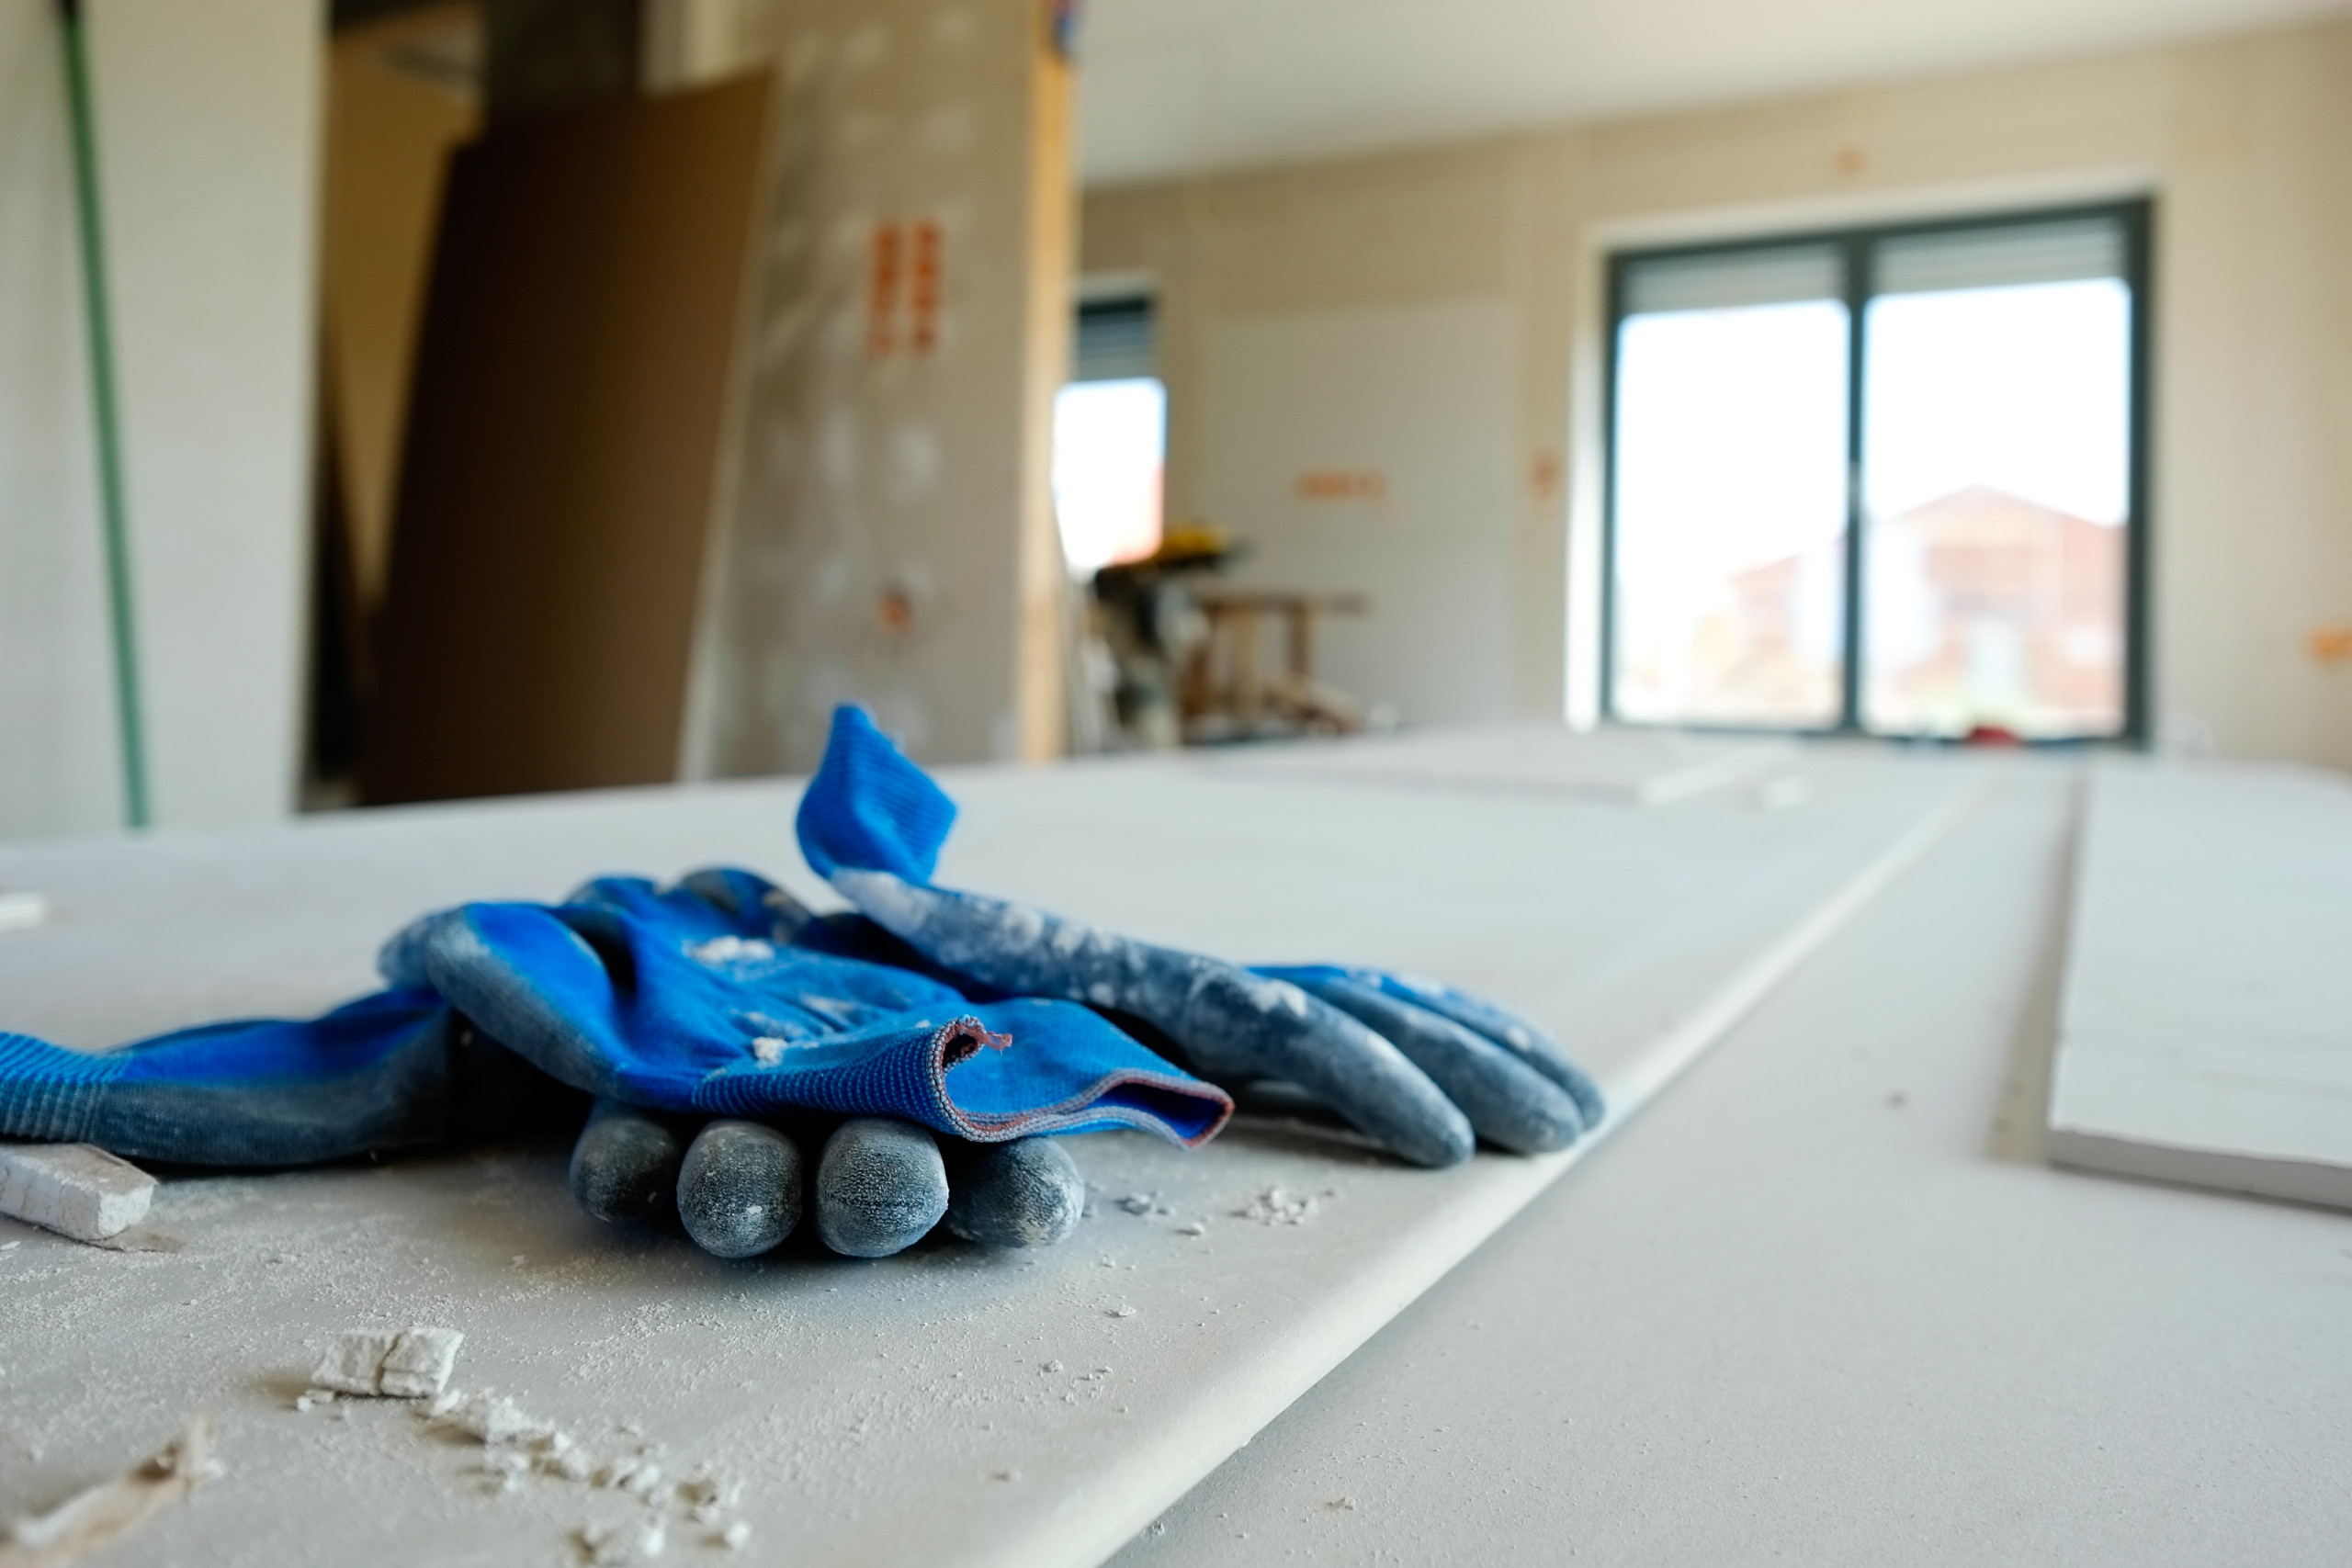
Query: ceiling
(1177, 88)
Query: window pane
(1109, 442)
(1996, 437)
(1730, 469)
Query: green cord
(102, 401)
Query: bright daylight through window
(1881, 481)
(1110, 438)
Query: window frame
(1856, 249)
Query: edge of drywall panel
(2219, 1170)
(1143, 1485)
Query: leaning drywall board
(2207, 1031)
(947, 1405)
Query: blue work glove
(695, 999)
(1422, 1068)
(679, 1002)
(699, 1000)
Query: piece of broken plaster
(411, 1363)
(89, 1519)
(76, 1190)
(617, 1542)
(492, 1418)
(419, 1364)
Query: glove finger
(1227, 1020)
(739, 1188)
(881, 1186)
(1234, 1018)
(624, 1165)
(1025, 1193)
(1508, 1101)
(1529, 1041)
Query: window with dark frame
(1886, 480)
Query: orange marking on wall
(1342, 484)
(923, 294)
(1544, 474)
(2331, 644)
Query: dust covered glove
(1422, 1068)
(699, 1000)
(669, 1006)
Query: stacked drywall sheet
(948, 1405)
(2207, 1031)
(1634, 767)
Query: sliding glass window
(1882, 481)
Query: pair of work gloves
(927, 1044)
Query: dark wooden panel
(563, 454)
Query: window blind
(1721, 280)
(1113, 341)
(2001, 257)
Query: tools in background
(1186, 662)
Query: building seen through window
(1881, 481)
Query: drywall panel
(567, 447)
(1631, 767)
(2207, 1031)
(391, 125)
(207, 129)
(1370, 451)
(890, 534)
(1826, 1304)
(945, 1406)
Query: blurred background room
(412, 399)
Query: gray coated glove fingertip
(881, 1186)
(624, 1165)
(1026, 1193)
(739, 1188)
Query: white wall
(2245, 144)
(1412, 406)
(208, 143)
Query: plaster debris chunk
(420, 1362)
(616, 1543)
(494, 1419)
(353, 1362)
(76, 1189)
(409, 1363)
(1276, 1207)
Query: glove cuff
(49, 1094)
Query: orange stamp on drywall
(922, 297)
(1342, 484)
(2331, 644)
(904, 280)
